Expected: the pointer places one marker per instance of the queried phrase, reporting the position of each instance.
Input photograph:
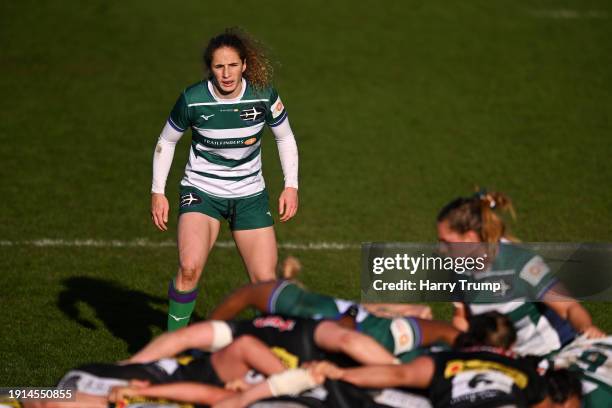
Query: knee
(189, 271)
(240, 345)
(244, 342)
(262, 274)
(348, 340)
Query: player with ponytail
(542, 326)
(477, 217)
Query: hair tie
(492, 202)
(483, 195)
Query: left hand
(288, 203)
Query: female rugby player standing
(223, 177)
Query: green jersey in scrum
(592, 359)
(524, 278)
(398, 335)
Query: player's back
(290, 338)
(484, 377)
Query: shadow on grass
(127, 314)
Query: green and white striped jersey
(592, 359)
(524, 277)
(225, 154)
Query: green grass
(397, 107)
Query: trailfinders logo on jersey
(482, 272)
(201, 139)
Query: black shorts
(199, 369)
(295, 335)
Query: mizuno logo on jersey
(207, 117)
(251, 114)
(190, 199)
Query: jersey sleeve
(536, 277)
(179, 116)
(276, 112)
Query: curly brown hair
(259, 69)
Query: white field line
(303, 246)
(145, 243)
(566, 14)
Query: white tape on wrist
(222, 335)
(291, 382)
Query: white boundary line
(145, 243)
(302, 246)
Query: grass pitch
(397, 108)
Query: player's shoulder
(528, 265)
(267, 93)
(197, 93)
(276, 112)
(515, 256)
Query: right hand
(159, 210)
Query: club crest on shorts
(251, 114)
(190, 199)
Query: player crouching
(190, 380)
(480, 371)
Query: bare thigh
(259, 252)
(197, 234)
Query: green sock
(180, 308)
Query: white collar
(211, 89)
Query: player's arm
(245, 353)
(542, 285)
(417, 374)
(433, 331)
(252, 295)
(243, 399)
(287, 150)
(208, 335)
(460, 320)
(162, 160)
(571, 310)
(179, 391)
(290, 382)
(333, 338)
(177, 123)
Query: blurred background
(397, 107)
